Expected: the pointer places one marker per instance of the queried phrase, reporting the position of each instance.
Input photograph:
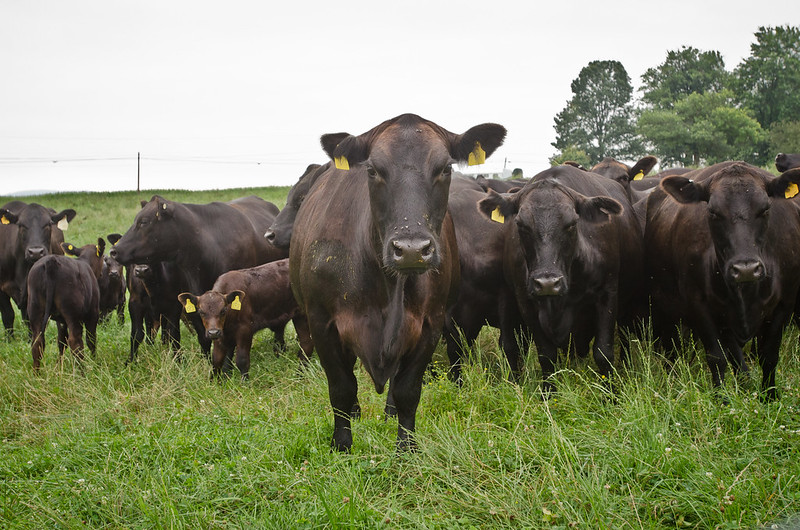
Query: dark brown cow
(280, 231)
(721, 255)
(373, 259)
(499, 185)
(112, 289)
(202, 241)
(243, 302)
(573, 256)
(66, 289)
(28, 232)
(785, 162)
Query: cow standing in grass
(374, 262)
(66, 290)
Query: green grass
(160, 445)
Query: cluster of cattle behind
(384, 250)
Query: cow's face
(737, 203)
(784, 162)
(622, 173)
(548, 219)
(91, 254)
(39, 229)
(408, 164)
(213, 308)
(154, 235)
(279, 234)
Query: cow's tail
(50, 271)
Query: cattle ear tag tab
(477, 156)
(98, 250)
(639, 175)
(341, 163)
(497, 217)
(791, 190)
(236, 305)
(63, 224)
(189, 307)
(4, 220)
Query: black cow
(28, 232)
(483, 296)
(280, 231)
(201, 240)
(243, 302)
(112, 289)
(721, 255)
(373, 259)
(499, 185)
(65, 289)
(573, 257)
(784, 162)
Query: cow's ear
(113, 238)
(7, 217)
(498, 206)
(70, 250)
(478, 143)
(143, 204)
(345, 149)
(574, 164)
(101, 246)
(785, 185)
(234, 299)
(683, 190)
(63, 218)
(164, 210)
(597, 209)
(643, 166)
(188, 301)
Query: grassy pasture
(160, 445)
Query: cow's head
(279, 234)
(623, 173)
(784, 162)
(39, 229)
(154, 236)
(91, 254)
(547, 219)
(408, 163)
(737, 199)
(213, 308)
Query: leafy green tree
(599, 119)
(683, 72)
(784, 137)
(702, 128)
(768, 81)
(573, 154)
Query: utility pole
(138, 167)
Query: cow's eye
(713, 214)
(372, 172)
(764, 212)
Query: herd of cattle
(384, 250)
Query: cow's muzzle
(548, 285)
(33, 254)
(413, 255)
(214, 333)
(743, 271)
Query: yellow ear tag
(477, 156)
(98, 250)
(189, 306)
(497, 217)
(236, 305)
(639, 176)
(4, 220)
(791, 190)
(70, 247)
(341, 163)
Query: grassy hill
(158, 444)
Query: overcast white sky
(237, 93)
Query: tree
(702, 128)
(684, 72)
(768, 80)
(599, 119)
(784, 137)
(571, 154)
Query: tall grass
(158, 444)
